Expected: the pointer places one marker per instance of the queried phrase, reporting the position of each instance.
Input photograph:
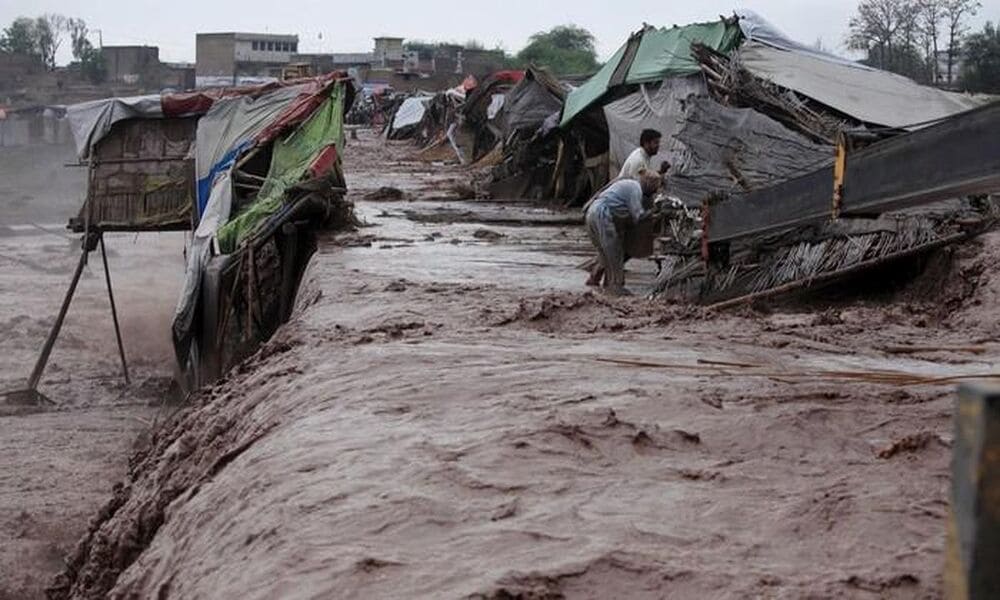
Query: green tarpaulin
(661, 53)
(290, 159)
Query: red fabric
(298, 111)
(323, 162)
(200, 101)
(509, 76)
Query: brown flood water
(452, 414)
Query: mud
(448, 416)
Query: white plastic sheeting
(91, 121)
(868, 95)
(496, 103)
(756, 28)
(410, 112)
(651, 107)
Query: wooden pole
(114, 312)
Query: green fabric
(662, 53)
(592, 89)
(290, 159)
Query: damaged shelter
(743, 109)
(251, 171)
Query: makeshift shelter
(528, 148)
(481, 107)
(265, 173)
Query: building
(388, 53)
(341, 61)
(132, 65)
(232, 56)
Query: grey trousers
(609, 241)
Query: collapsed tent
(408, 115)
(801, 98)
(865, 94)
(652, 55)
(478, 135)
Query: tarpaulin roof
(859, 91)
(531, 101)
(652, 55)
(868, 95)
(91, 121)
(291, 158)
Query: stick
(114, 312)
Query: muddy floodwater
(451, 413)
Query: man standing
(618, 208)
(649, 146)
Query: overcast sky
(348, 26)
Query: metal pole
(114, 312)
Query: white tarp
(410, 112)
(756, 28)
(496, 103)
(91, 121)
(868, 95)
(651, 107)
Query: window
(255, 45)
(270, 46)
(295, 46)
(284, 46)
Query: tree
(931, 13)
(955, 13)
(982, 67)
(564, 49)
(21, 37)
(49, 30)
(888, 31)
(77, 29)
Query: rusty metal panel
(972, 568)
(141, 177)
(956, 157)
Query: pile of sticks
(733, 85)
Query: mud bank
(454, 417)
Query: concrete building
(388, 53)
(235, 56)
(132, 65)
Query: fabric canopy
(91, 121)
(291, 158)
(652, 55)
(868, 95)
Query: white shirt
(637, 161)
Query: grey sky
(349, 26)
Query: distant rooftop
(243, 35)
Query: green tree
(21, 37)
(564, 49)
(955, 14)
(982, 66)
(49, 31)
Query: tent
(652, 55)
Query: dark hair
(648, 135)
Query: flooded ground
(452, 413)
(58, 467)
